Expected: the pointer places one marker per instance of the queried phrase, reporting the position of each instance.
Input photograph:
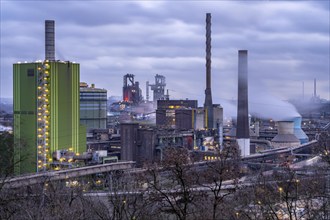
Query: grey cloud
(287, 41)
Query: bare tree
(225, 168)
(172, 188)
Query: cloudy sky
(288, 44)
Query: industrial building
(46, 109)
(179, 114)
(93, 107)
(131, 90)
(158, 89)
(146, 144)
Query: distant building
(131, 90)
(158, 89)
(93, 106)
(147, 144)
(179, 114)
(46, 113)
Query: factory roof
(89, 89)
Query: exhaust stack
(243, 131)
(314, 87)
(208, 105)
(50, 40)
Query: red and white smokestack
(243, 131)
(50, 40)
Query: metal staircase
(43, 117)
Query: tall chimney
(147, 91)
(50, 40)
(303, 91)
(208, 105)
(243, 131)
(314, 87)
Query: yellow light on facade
(39, 161)
(47, 150)
(77, 154)
(46, 126)
(39, 87)
(39, 146)
(45, 116)
(39, 97)
(45, 78)
(40, 135)
(39, 166)
(50, 159)
(39, 108)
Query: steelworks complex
(61, 123)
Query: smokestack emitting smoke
(50, 40)
(242, 133)
(208, 105)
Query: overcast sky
(287, 41)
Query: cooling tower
(285, 136)
(298, 132)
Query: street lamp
(297, 182)
(280, 189)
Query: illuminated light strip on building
(43, 116)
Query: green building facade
(46, 113)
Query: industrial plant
(148, 151)
(61, 123)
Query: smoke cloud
(262, 104)
(267, 106)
